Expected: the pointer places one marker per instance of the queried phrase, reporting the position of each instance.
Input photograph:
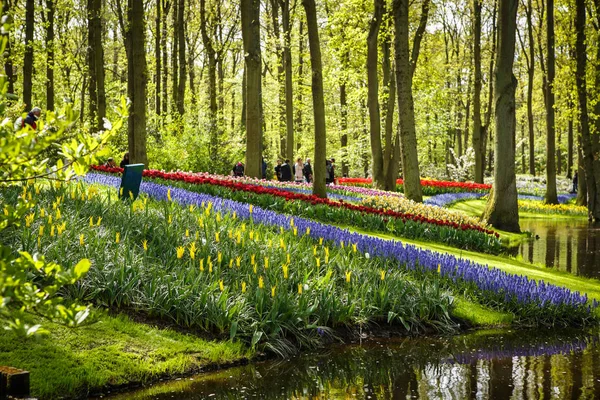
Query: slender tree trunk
(50, 9)
(408, 139)
(390, 161)
(373, 94)
(486, 134)
(251, 38)
(136, 82)
(165, 60)
(157, 54)
(300, 97)
(344, 127)
(8, 65)
(181, 54)
(282, 130)
(502, 209)
(192, 76)
(289, 90)
(212, 83)
(175, 58)
(28, 59)
(570, 147)
(95, 55)
(551, 195)
(530, 75)
(478, 148)
(319, 188)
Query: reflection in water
(566, 245)
(500, 365)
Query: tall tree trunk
(136, 81)
(570, 147)
(251, 39)
(319, 188)
(165, 60)
(404, 70)
(478, 148)
(289, 90)
(344, 127)
(211, 55)
(530, 76)
(175, 58)
(157, 42)
(282, 131)
(300, 98)
(28, 59)
(485, 133)
(181, 55)
(95, 56)
(551, 196)
(50, 9)
(502, 209)
(373, 94)
(8, 65)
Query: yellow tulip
(196, 236)
(42, 213)
(221, 285)
(29, 219)
(169, 195)
(170, 219)
(39, 242)
(202, 265)
(321, 241)
(61, 228)
(252, 257)
(98, 221)
(250, 208)
(41, 232)
(238, 261)
(439, 269)
(180, 251)
(261, 282)
(91, 221)
(230, 234)
(243, 287)
(291, 222)
(273, 291)
(230, 262)
(318, 262)
(219, 257)
(288, 257)
(326, 258)
(81, 241)
(251, 235)
(254, 269)
(187, 233)
(52, 230)
(145, 244)
(243, 227)
(307, 231)
(382, 274)
(192, 208)
(266, 262)
(217, 237)
(342, 244)
(218, 217)
(315, 250)
(57, 215)
(295, 231)
(348, 275)
(117, 238)
(354, 247)
(299, 288)
(234, 215)
(238, 237)
(49, 219)
(285, 271)
(281, 243)
(210, 267)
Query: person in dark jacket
(278, 170)
(29, 120)
(575, 182)
(238, 169)
(286, 171)
(264, 168)
(125, 160)
(307, 171)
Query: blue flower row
(447, 199)
(494, 283)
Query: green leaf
(82, 268)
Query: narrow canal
(565, 245)
(541, 364)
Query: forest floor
(112, 353)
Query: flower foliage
(430, 187)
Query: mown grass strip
(111, 352)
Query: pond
(570, 245)
(482, 365)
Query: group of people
(299, 172)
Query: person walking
(264, 168)
(307, 171)
(29, 120)
(575, 182)
(286, 171)
(328, 172)
(298, 173)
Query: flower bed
(533, 302)
(467, 236)
(430, 187)
(538, 207)
(426, 210)
(447, 199)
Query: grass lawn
(111, 352)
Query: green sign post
(130, 183)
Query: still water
(542, 364)
(565, 245)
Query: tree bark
(287, 63)
(502, 209)
(175, 58)
(319, 187)
(408, 139)
(344, 127)
(251, 38)
(212, 83)
(182, 61)
(570, 147)
(136, 81)
(28, 58)
(530, 76)
(551, 195)
(157, 55)
(300, 97)
(50, 9)
(488, 113)
(373, 94)
(166, 5)
(97, 103)
(477, 139)
(8, 65)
